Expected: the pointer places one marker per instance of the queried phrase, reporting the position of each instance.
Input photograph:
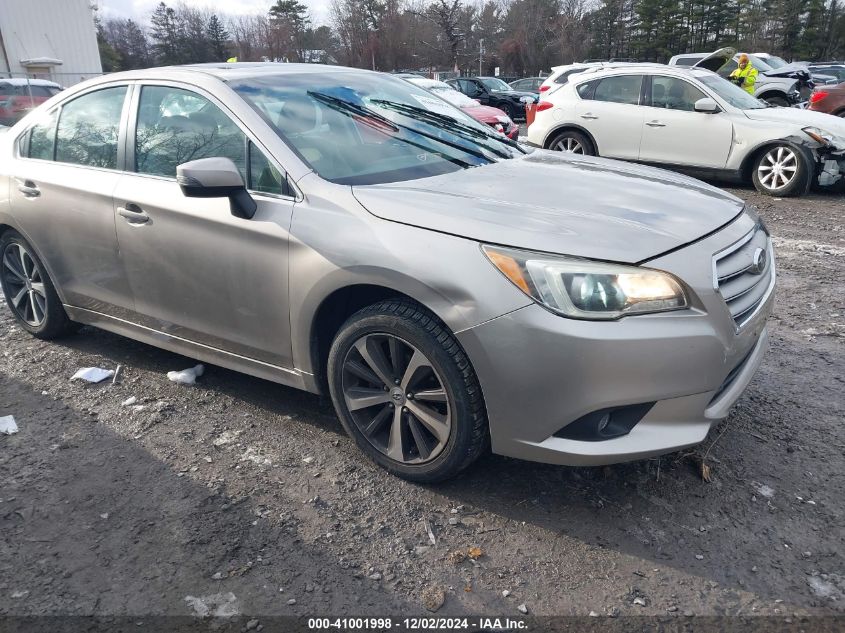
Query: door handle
(589, 115)
(133, 213)
(655, 124)
(28, 188)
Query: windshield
(775, 62)
(760, 64)
(491, 83)
(731, 93)
(457, 99)
(360, 128)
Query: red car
(19, 96)
(493, 117)
(830, 99)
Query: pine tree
(166, 36)
(218, 38)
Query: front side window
(730, 92)
(264, 176)
(42, 138)
(176, 126)
(361, 128)
(674, 94)
(89, 127)
(619, 89)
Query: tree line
(520, 37)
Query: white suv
(694, 121)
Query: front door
(196, 271)
(674, 133)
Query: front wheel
(406, 393)
(510, 110)
(29, 292)
(781, 171)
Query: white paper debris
(93, 374)
(186, 376)
(129, 402)
(7, 425)
(218, 605)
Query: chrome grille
(744, 274)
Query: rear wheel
(406, 392)
(29, 291)
(781, 170)
(572, 142)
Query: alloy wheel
(778, 168)
(396, 398)
(569, 145)
(24, 283)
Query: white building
(48, 39)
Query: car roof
(229, 72)
(621, 69)
(19, 81)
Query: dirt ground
(238, 496)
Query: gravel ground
(242, 496)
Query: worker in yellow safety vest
(745, 76)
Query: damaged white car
(694, 121)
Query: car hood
(547, 201)
(485, 114)
(799, 117)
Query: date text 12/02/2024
(415, 624)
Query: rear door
(63, 178)
(674, 133)
(196, 271)
(609, 109)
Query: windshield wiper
(347, 107)
(451, 124)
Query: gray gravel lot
(241, 496)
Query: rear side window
(621, 89)
(685, 61)
(176, 126)
(42, 138)
(89, 127)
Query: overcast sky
(141, 9)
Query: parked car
(779, 88)
(493, 117)
(331, 230)
(561, 74)
(691, 120)
(832, 69)
(19, 96)
(829, 99)
(492, 91)
(527, 84)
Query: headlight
(819, 136)
(584, 289)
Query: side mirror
(707, 105)
(216, 178)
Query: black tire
(776, 100)
(410, 323)
(771, 183)
(577, 142)
(841, 114)
(55, 322)
(511, 111)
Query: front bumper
(540, 372)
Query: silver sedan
(343, 231)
